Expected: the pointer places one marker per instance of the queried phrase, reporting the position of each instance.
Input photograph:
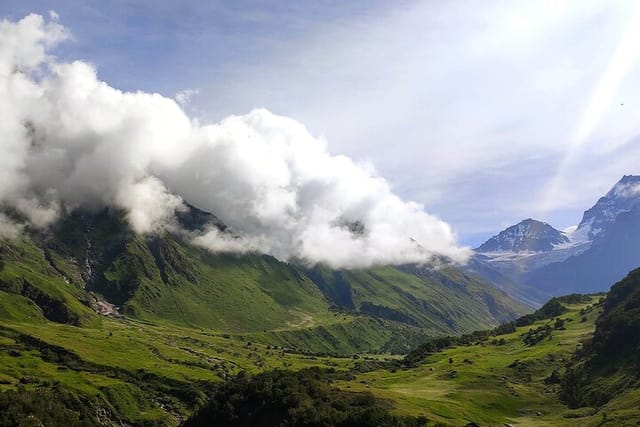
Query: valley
(139, 373)
(139, 330)
(239, 214)
(149, 330)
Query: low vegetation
(286, 398)
(575, 360)
(498, 377)
(609, 363)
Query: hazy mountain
(533, 260)
(614, 252)
(517, 250)
(624, 195)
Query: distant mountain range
(533, 261)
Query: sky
(485, 113)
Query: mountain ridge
(622, 197)
(96, 260)
(558, 262)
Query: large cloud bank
(69, 140)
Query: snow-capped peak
(622, 197)
(528, 235)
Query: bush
(24, 407)
(534, 336)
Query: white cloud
(8, 228)
(445, 96)
(185, 96)
(68, 138)
(149, 205)
(626, 190)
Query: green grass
(232, 294)
(158, 372)
(193, 319)
(444, 301)
(110, 363)
(489, 388)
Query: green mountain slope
(92, 260)
(121, 328)
(573, 362)
(488, 379)
(608, 365)
(147, 369)
(31, 288)
(440, 300)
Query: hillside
(520, 373)
(509, 376)
(123, 370)
(137, 329)
(608, 365)
(91, 262)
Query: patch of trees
(435, 345)
(617, 333)
(553, 308)
(287, 398)
(534, 336)
(41, 407)
(576, 298)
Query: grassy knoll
(497, 382)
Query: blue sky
(485, 112)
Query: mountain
(125, 371)
(528, 235)
(114, 328)
(506, 257)
(624, 195)
(91, 262)
(614, 252)
(177, 320)
(537, 261)
(482, 266)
